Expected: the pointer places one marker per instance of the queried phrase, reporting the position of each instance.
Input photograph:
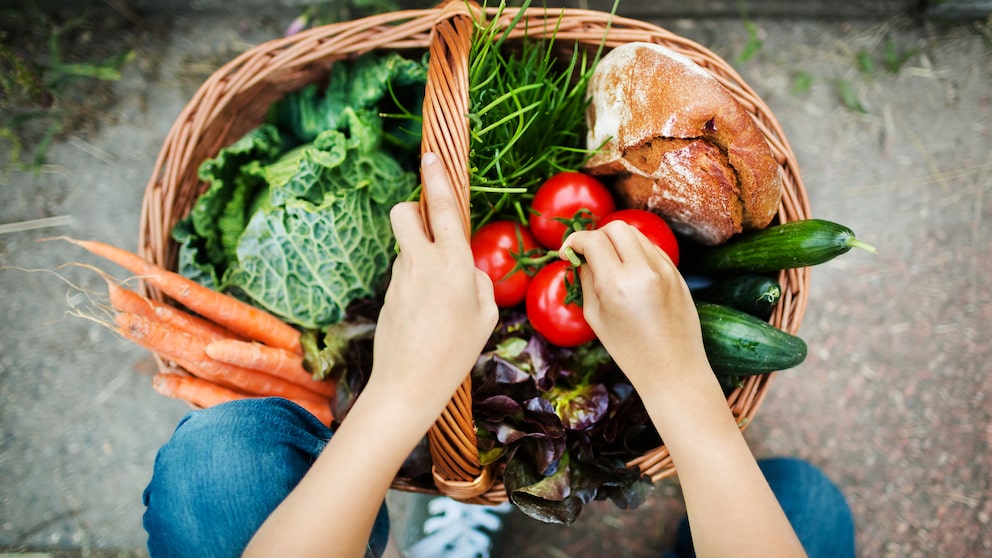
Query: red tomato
(562, 196)
(493, 246)
(561, 324)
(651, 225)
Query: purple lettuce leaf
(579, 408)
(549, 501)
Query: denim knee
(815, 506)
(223, 472)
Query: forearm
(642, 311)
(332, 510)
(437, 314)
(731, 509)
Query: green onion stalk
(527, 110)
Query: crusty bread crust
(680, 144)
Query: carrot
(272, 360)
(222, 345)
(126, 300)
(241, 318)
(197, 391)
(189, 351)
(203, 393)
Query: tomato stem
(573, 258)
(583, 219)
(532, 260)
(573, 289)
(521, 213)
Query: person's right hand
(639, 306)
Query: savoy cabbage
(296, 215)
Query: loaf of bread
(678, 143)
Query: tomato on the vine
(559, 322)
(561, 197)
(652, 225)
(493, 249)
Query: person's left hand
(439, 310)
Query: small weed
(866, 65)
(888, 56)
(849, 96)
(44, 86)
(893, 58)
(801, 83)
(754, 43)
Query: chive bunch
(527, 116)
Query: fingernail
(428, 159)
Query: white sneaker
(458, 530)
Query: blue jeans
(226, 468)
(223, 472)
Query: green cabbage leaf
(296, 215)
(325, 240)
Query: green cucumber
(751, 293)
(738, 344)
(790, 245)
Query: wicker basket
(236, 97)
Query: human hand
(439, 310)
(640, 308)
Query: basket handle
(453, 446)
(445, 111)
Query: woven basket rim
(236, 97)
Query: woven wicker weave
(235, 99)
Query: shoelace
(455, 530)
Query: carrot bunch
(228, 349)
